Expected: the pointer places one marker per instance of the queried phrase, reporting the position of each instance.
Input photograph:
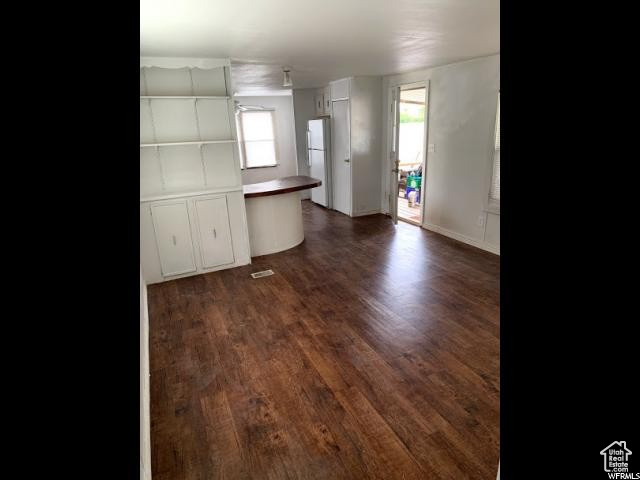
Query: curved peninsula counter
(274, 213)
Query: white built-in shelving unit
(187, 130)
(193, 217)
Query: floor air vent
(264, 273)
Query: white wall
(145, 430)
(461, 120)
(285, 139)
(304, 108)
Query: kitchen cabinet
(319, 99)
(190, 235)
(214, 232)
(339, 89)
(322, 100)
(173, 237)
(326, 98)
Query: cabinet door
(173, 237)
(340, 89)
(319, 104)
(327, 100)
(214, 232)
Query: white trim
(182, 62)
(264, 93)
(366, 212)
(184, 97)
(194, 193)
(195, 142)
(462, 238)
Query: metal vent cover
(263, 273)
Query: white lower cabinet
(191, 235)
(173, 237)
(214, 232)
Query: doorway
(408, 152)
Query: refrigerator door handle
(308, 146)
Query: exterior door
(214, 231)
(341, 156)
(173, 237)
(394, 159)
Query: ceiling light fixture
(287, 78)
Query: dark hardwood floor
(373, 352)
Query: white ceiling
(321, 40)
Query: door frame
(393, 143)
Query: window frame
(494, 203)
(242, 143)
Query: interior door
(173, 237)
(214, 231)
(341, 156)
(394, 95)
(317, 170)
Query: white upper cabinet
(340, 89)
(323, 101)
(173, 238)
(326, 96)
(214, 233)
(319, 99)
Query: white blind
(495, 182)
(258, 138)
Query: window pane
(495, 181)
(498, 125)
(495, 186)
(260, 154)
(257, 126)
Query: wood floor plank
(372, 352)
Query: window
(494, 195)
(257, 138)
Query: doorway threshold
(411, 222)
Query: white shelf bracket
(193, 93)
(153, 123)
(204, 171)
(162, 181)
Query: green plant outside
(406, 117)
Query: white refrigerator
(319, 158)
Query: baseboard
(366, 212)
(463, 238)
